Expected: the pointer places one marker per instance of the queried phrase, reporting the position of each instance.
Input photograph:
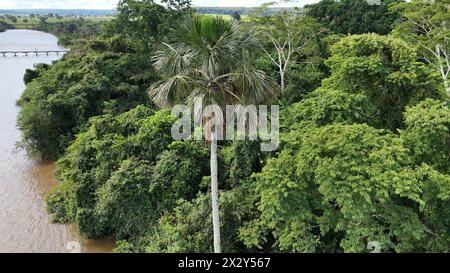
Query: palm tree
(210, 59)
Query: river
(25, 226)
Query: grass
(225, 16)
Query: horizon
(231, 7)
(111, 4)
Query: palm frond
(210, 59)
(166, 92)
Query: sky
(111, 4)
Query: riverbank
(25, 225)
(4, 26)
(69, 29)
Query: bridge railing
(5, 53)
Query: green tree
(123, 173)
(386, 70)
(326, 106)
(427, 134)
(43, 19)
(146, 22)
(188, 227)
(107, 77)
(11, 18)
(236, 16)
(355, 16)
(210, 60)
(336, 188)
(4, 26)
(282, 35)
(426, 23)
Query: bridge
(31, 52)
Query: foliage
(427, 134)
(210, 59)
(140, 20)
(188, 228)
(240, 160)
(364, 152)
(335, 188)
(355, 16)
(425, 26)
(4, 26)
(31, 74)
(69, 31)
(326, 106)
(308, 69)
(236, 16)
(87, 83)
(11, 18)
(145, 22)
(384, 69)
(107, 74)
(120, 175)
(283, 35)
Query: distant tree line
(63, 12)
(70, 30)
(233, 10)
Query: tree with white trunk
(282, 35)
(426, 24)
(210, 61)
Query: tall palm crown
(210, 58)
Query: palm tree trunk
(215, 193)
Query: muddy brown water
(25, 225)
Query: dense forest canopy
(365, 128)
(355, 16)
